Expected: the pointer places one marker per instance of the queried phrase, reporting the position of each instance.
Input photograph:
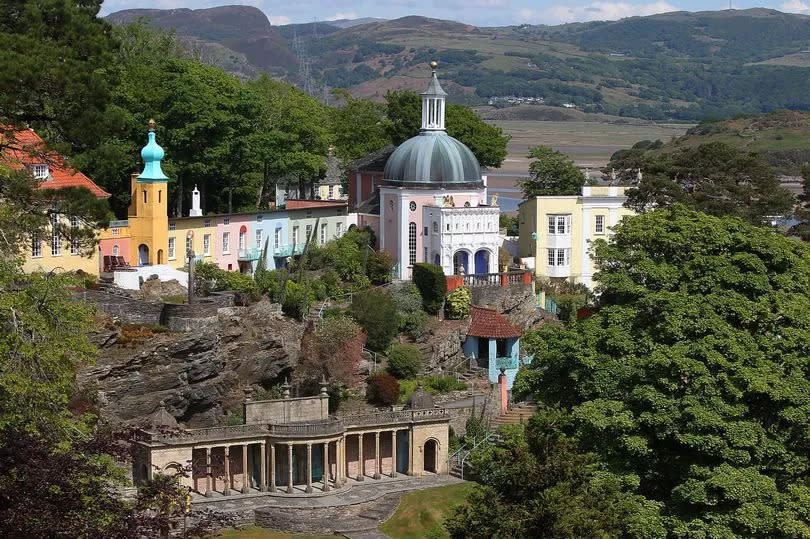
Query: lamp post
(190, 256)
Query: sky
(477, 12)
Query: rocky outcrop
(198, 375)
(517, 302)
(442, 348)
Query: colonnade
(274, 456)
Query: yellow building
(52, 252)
(557, 230)
(148, 211)
(195, 233)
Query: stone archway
(461, 263)
(431, 456)
(160, 256)
(482, 261)
(143, 255)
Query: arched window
(116, 252)
(412, 244)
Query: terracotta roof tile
(490, 323)
(30, 150)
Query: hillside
(681, 66)
(782, 138)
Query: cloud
(794, 6)
(472, 3)
(343, 15)
(596, 11)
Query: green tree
(404, 360)
(693, 374)
(359, 126)
(487, 142)
(802, 229)
(714, 178)
(376, 312)
(539, 484)
(551, 173)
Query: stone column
(377, 462)
(326, 466)
(341, 460)
(411, 452)
(393, 453)
(245, 475)
(272, 467)
(208, 473)
(289, 468)
(360, 466)
(263, 478)
(227, 490)
(309, 468)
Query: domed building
(432, 199)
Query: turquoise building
(494, 344)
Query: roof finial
(433, 65)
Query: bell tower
(148, 208)
(433, 103)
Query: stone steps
(515, 416)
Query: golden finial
(152, 124)
(434, 64)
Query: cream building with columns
(293, 446)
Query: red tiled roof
(492, 324)
(296, 204)
(29, 149)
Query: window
(189, 245)
(116, 250)
(558, 257)
(259, 218)
(226, 221)
(226, 242)
(435, 227)
(412, 244)
(56, 239)
(36, 245)
(160, 195)
(207, 223)
(40, 172)
(144, 196)
(259, 238)
(74, 241)
(207, 245)
(425, 257)
(331, 191)
(559, 224)
(500, 348)
(172, 254)
(323, 233)
(242, 234)
(172, 226)
(277, 238)
(309, 213)
(309, 233)
(600, 224)
(115, 231)
(338, 229)
(295, 235)
(426, 231)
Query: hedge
(432, 285)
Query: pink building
(234, 242)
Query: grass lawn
(261, 533)
(422, 512)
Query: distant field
(797, 59)
(587, 143)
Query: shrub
(269, 282)
(404, 360)
(378, 267)
(474, 428)
(414, 325)
(432, 285)
(211, 278)
(375, 311)
(334, 350)
(458, 303)
(383, 389)
(297, 300)
(406, 297)
(442, 384)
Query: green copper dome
(152, 154)
(432, 157)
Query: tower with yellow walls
(148, 209)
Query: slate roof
(373, 162)
(491, 324)
(29, 149)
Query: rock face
(442, 348)
(517, 302)
(199, 374)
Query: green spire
(152, 154)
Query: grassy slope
(421, 513)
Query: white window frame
(242, 239)
(324, 230)
(309, 232)
(40, 171)
(559, 225)
(74, 241)
(338, 229)
(226, 243)
(559, 257)
(277, 238)
(331, 191)
(207, 223)
(189, 245)
(56, 239)
(599, 224)
(207, 244)
(36, 244)
(411, 243)
(258, 237)
(226, 220)
(172, 249)
(115, 231)
(172, 227)
(295, 235)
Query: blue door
(402, 451)
(317, 462)
(461, 263)
(482, 261)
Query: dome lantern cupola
(152, 154)
(433, 103)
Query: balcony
(288, 250)
(249, 254)
(506, 363)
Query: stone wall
(286, 410)
(123, 308)
(184, 317)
